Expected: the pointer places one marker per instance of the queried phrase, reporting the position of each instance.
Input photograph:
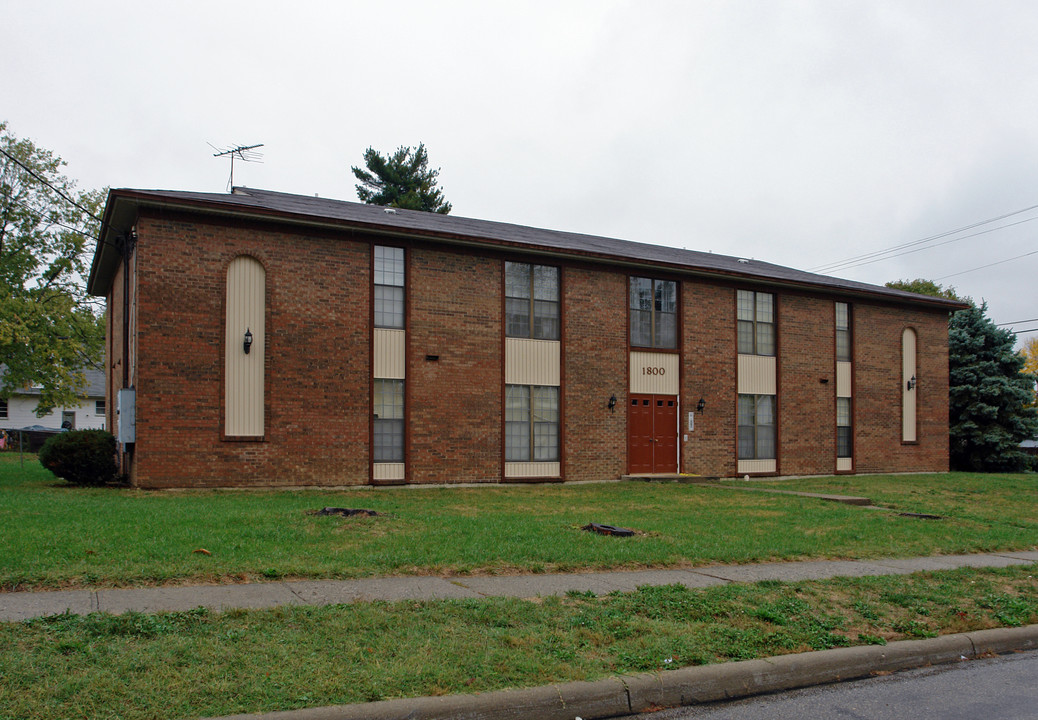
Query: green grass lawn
(55, 536)
(206, 663)
(198, 663)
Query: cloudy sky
(801, 133)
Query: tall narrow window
(389, 287)
(531, 423)
(756, 427)
(531, 301)
(756, 321)
(654, 316)
(843, 332)
(3, 409)
(844, 445)
(244, 348)
(389, 421)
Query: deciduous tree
(50, 329)
(928, 287)
(401, 180)
(1030, 353)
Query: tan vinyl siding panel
(908, 397)
(757, 375)
(532, 362)
(387, 471)
(533, 469)
(757, 466)
(389, 354)
(844, 464)
(243, 373)
(843, 379)
(655, 373)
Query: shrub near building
(81, 457)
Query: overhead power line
(981, 267)
(1018, 322)
(47, 182)
(895, 251)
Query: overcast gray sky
(801, 133)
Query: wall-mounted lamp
(701, 405)
(912, 383)
(247, 342)
(612, 403)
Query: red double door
(652, 434)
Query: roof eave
(123, 208)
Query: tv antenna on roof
(244, 153)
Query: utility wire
(71, 228)
(1000, 262)
(47, 182)
(81, 231)
(1018, 322)
(847, 265)
(829, 267)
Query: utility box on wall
(126, 415)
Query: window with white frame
(756, 427)
(99, 408)
(654, 313)
(531, 423)
(756, 323)
(389, 421)
(531, 301)
(843, 332)
(388, 277)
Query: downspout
(128, 243)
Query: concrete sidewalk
(22, 605)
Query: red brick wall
(318, 367)
(709, 373)
(877, 334)
(318, 348)
(116, 359)
(806, 405)
(594, 369)
(454, 404)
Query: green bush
(81, 457)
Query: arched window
(909, 388)
(244, 345)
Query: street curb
(629, 694)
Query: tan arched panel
(908, 378)
(243, 372)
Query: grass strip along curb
(202, 663)
(624, 695)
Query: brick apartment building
(273, 339)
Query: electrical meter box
(126, 415)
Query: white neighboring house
(20, 410)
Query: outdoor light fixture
(912, 383)
(247, 343)
(612, 403)
(701, 405)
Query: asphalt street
(1003, 687)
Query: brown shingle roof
(303, 209)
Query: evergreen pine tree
(989, 395)
(402, 180)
